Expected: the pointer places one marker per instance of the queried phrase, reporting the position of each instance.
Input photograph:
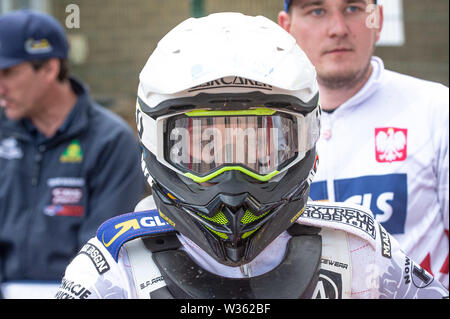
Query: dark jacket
(55, 193)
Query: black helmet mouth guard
(234, 227)
(231, 247)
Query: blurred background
(112, 39)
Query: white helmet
(228, 118)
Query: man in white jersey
(384, 135)
(228, 117)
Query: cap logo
(37, 46)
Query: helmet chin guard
(235, 226)
(228, 118)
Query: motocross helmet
(228, 118)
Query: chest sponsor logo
(72, 154)
(390, 144)
(385, 195)
(96, 257)
(64, 210)
(9, 149)
(66, 195)
(329, 285)
(66, 181)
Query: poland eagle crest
(390, 144)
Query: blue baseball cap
(27, 35)
(287, 3)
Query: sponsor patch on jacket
(344, 215)
(390, 144)
(118, 230)
(66, 181)
(96, 257)
(72, 154)
(9, 149)
(385, 195)
(65, 201)
(385, 243)
(66, 195)
(64, 210)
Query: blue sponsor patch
(318, 191)
(385, 195)
(118, 230)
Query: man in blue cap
(384, 135)
(66, 163)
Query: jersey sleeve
(442, 164)
(92, 274)
(400, 276)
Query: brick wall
(121, 35)
(426, 48)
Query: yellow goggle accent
(262, 178)
(261, 111)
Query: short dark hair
(289, 7)
(63, 68)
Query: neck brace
(295, 277)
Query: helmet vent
(218, 218)
(249, 217)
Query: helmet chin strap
(295, 277)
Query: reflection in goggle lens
(260, 143)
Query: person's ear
(284, 20)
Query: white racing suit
(359, 258)
(386, 148)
